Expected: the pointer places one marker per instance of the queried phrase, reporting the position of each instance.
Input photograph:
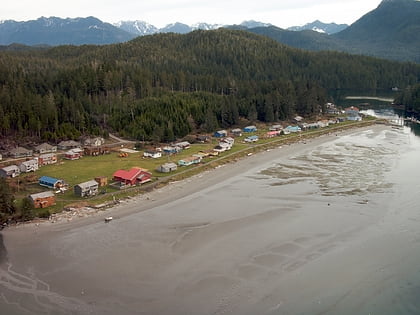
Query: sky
(282, 13)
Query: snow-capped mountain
(320, 27)
(58, 31)
(140, 28)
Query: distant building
(251, 139)
(102, 180)
(20, 152)
(237, 132)
(220, 133)
(183, 145)
(67, 145)
(190, 161)
(45, 148)
(250, 129)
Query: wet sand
(226, 241)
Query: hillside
(166, 86)
(391, 31)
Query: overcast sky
(282, 13)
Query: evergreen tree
(7, 206)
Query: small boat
(108, 219)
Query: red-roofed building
(132, 177)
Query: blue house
(220, 134)
(50, 182)
(250, 129)
(293, 128)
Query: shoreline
(178, 189)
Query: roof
(44, 194)
(88, 184)
(10, 168)
(49, 180)
(128, 175)
(44, 146)
(169, 165)
(19, 150)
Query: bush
(44, 214)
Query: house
(29, 166)
(51, 182)
(152, 154)
(45, 148)
(167, 168)
(94, 150)
(132, 177)
(202, 139)
(352, 113)
(237, 132)
(251, 139)
(275, 128)
(10, 171)
(20, 152)
(229, 140)
(183, 145)
(272, 134)
(250, 129)
(298, 119)
(222, 147)
(46, 159)
(220, 134)
(102, 180)
(293, 129)
(73, 154)
(190, 161)
(42, 200)
(68, 145)
(168, 150)
(87, 189)
(94, 142)
(144, 177)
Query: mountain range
(390, 31)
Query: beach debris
(108, 219)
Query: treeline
(410, 98)
(165, 86)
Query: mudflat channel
(329, 226)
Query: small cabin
(102, 180)
(20, 152)
(250, 129)
(220, 134)
(190, 161)
(43, 199)
(167, 168)
(45, 148)
(251, 139)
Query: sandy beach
(323, 226)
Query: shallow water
(332, 229)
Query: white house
(152, 154)
(29, 166)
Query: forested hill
(165, 86)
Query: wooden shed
(167, 168)
(102, 180)
(43, 199)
